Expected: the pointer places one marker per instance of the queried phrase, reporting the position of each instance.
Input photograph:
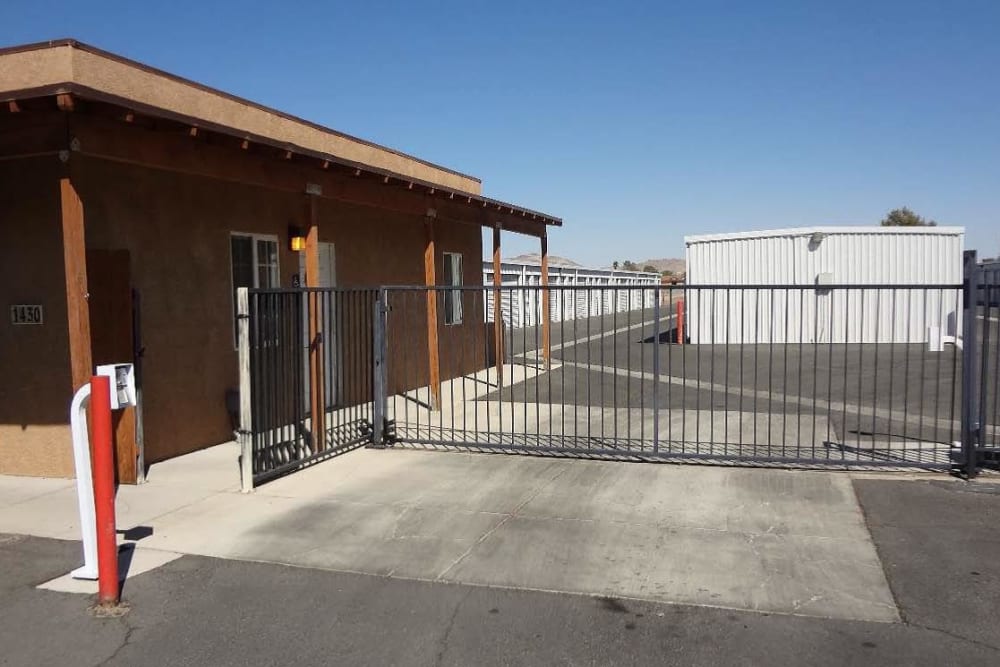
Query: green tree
(667, 272)
(904, 217)
(629, 265)
(649, 268)
(615, 265)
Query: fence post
(970, 420)
(246, 414)
(656, 369)
(546, 315)
(379, 397)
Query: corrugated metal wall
(522, 307)
(813, 314)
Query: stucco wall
(36, 387)
(177, 228)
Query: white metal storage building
(522, 307)
(815, 257)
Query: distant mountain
(673, 264)
(535, 258)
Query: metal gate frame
(366, 314)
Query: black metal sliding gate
(836, 375)
(800, 375)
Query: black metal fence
(307, 385)
(812, 375)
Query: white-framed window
(253, 261)
(453, 297)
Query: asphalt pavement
(937, 540)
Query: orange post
(680, 322)
(104, 490)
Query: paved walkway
(753, 539)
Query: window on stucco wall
(453, 297)
(254, 262)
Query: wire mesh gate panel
(619, 382)
(306, 388)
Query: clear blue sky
(637, 123)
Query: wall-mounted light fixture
(296, 239)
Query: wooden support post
(497, 306)
(75, 266)
(314, 301)
(430, 280)
(546, 316)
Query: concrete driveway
(754, 539)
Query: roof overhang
(67, 69)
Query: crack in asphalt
(955, 635)
(446, 637)
(126, 641)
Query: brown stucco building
(132, 202)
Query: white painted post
(84, 483)
(246, 415)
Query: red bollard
(680, 322)
(104, 491)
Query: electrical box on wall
(122, 384)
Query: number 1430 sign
(26, 314)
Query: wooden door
(110, 287)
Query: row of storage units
(600, 292)
(825, 284)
